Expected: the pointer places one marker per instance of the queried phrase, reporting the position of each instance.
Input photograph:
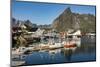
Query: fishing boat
(43, 46)
(70, 45)
(55, 46)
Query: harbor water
(86, 52)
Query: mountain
(13, 22)
(27, 23)
(69, 20)
(30, 24)
(44, 26)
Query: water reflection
(86, 52)
(54, 51)
(67, 54)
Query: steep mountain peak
(67, 10)
(69, 20)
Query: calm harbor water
(86, 52)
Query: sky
(45, 13)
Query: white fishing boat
(55, 45)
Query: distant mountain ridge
(28, 24)
(69, 20)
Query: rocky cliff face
(69, 20)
